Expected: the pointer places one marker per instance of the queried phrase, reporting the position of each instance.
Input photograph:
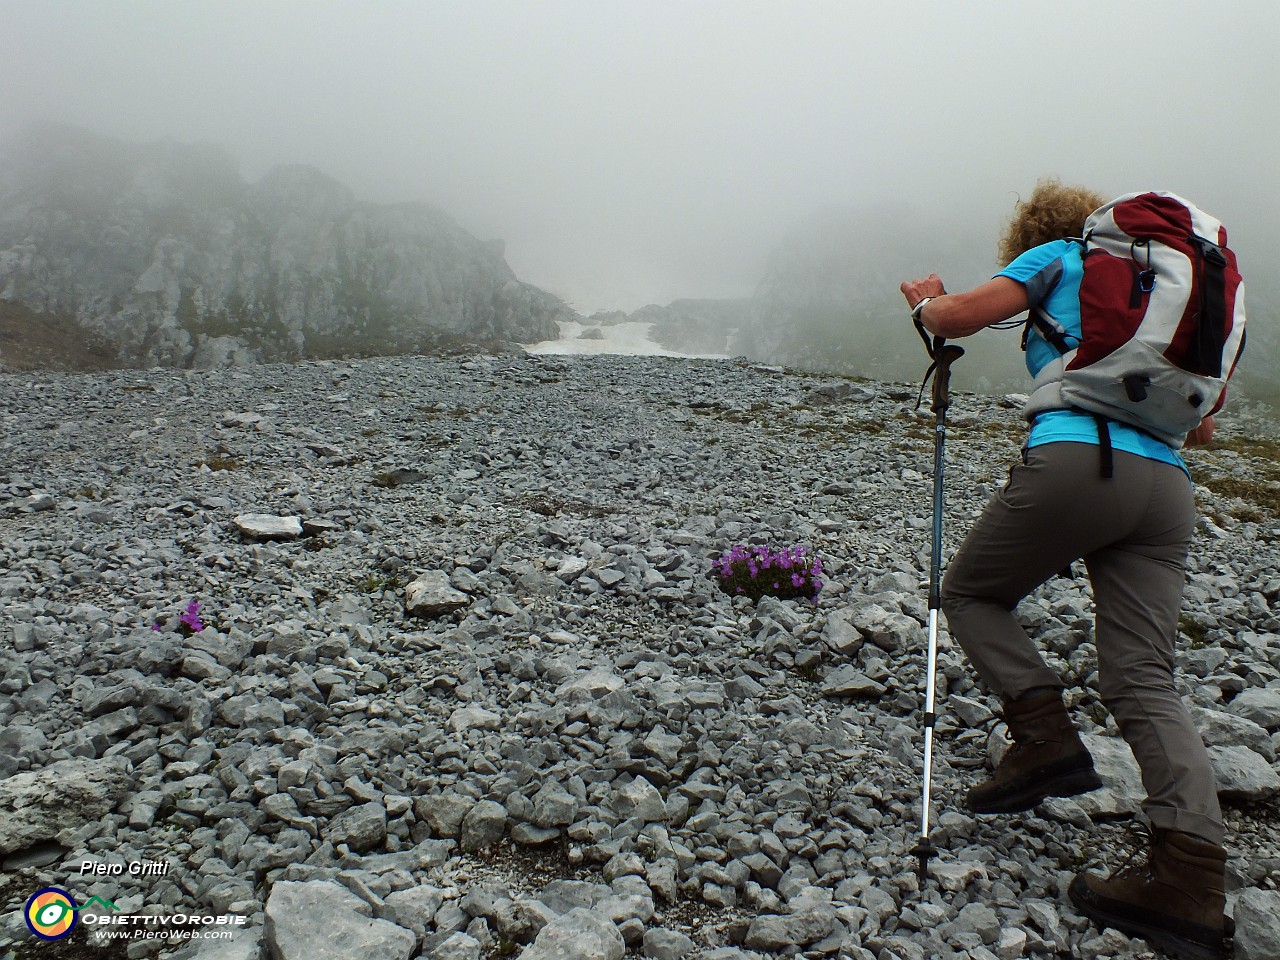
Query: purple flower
(758, 570)
(191, 618)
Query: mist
(632, 153)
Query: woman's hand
(917, 290)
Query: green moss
(1264, 448)
(548, 506)
(504, 948)
(217, 463)
(808, 672)
(379, 583)
(1262, 494)
(391, 479)
(1193, 630)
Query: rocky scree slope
(483, 699)
(165, 250)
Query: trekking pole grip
(944, 355)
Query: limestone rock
(810, 920)
(321, 920)
(1257, 917)
(432, 595)
(1259, 704)
(45, 804)
(265, 526)
(580, 934)
(1243, 775)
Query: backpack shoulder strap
(1048, 327)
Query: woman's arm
(963, 314)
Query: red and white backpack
(1161, 316)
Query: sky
(636, 152)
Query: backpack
(1161, 317)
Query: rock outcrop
(165, 251)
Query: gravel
(465, 689)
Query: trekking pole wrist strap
(918, 309)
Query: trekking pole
(943, 355)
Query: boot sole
(1156, 932)
(1069, 784)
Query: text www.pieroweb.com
(171, 935)
(172, 929)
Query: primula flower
(189, 621)
(742, 572)
(191, 618)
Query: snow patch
(629, 339)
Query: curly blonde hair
(1052, 212)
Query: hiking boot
(1174, 901)
(1047, 759)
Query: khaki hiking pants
(1132, 531)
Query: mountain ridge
(165, 250)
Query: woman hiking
(1132, 530)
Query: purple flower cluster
(759, 571)
(191, 618)
(188, 623)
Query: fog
(635, 152)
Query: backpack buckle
(1210, 251)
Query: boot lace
(1137, 863)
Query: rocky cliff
(168, 252)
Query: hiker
(1132, 529)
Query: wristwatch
(919, 308)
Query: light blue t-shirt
(1051, 274)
